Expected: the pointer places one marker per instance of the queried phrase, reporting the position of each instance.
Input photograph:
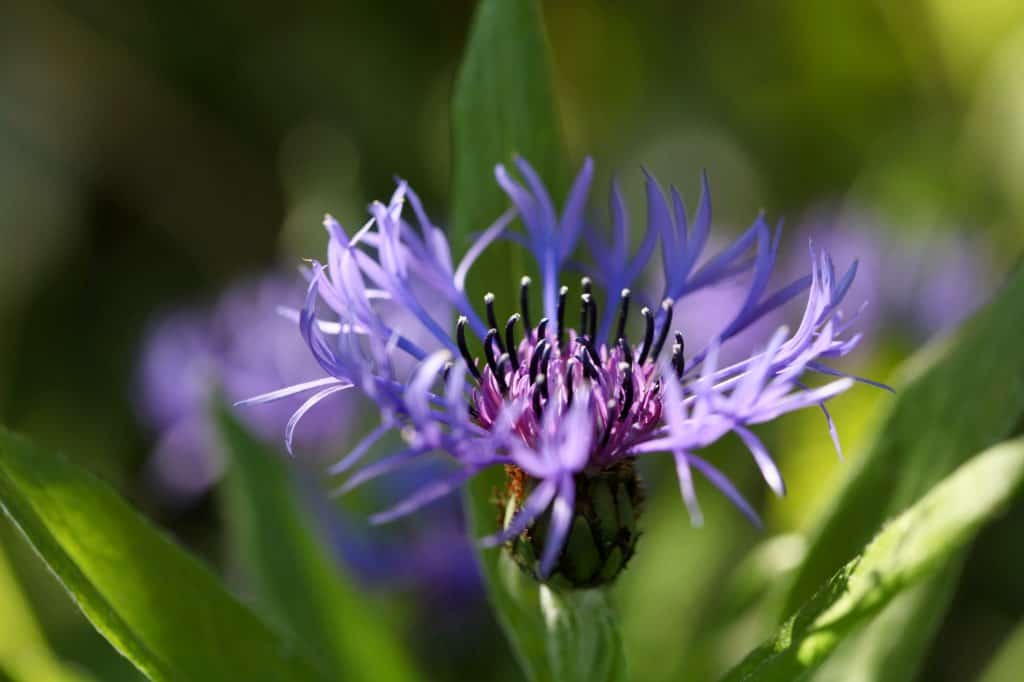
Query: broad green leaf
(893, 644)
(24, 654)
(1008, 662)
(159, 607)
(953, 401)
(503, 105)
(910, 547)
(293, 579)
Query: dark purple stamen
(542, 328)
(544, 358)
(592, 315)
(666, 305)
(623, 314)
(584, 313)
(535, 359)
(524, 301)
(489, 343)
(460, 335)
(645, 347)
(510, 341)
(492, 320)
(589, 366)
(560, 319)
(538, 389)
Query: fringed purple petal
(722, 482)
(310, 403)
(422, 497)
(360, 450)
(291, 390)
(769, 470)
(558, 530)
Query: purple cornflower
(919, 285)
(565, 408)
(239, 345)
(243, 344)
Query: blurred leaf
(503, 105)
(677, 574)
(910, 547)
(957, 398)
(1008, 662)
(24, 654)
(294, 580)
(158, 606)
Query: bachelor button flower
(564, 396)
(239, 345)
(919, 285)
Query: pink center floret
(624, 398)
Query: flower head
(566, 395)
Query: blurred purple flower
(564, 407)
(243, 345)
(918, 286)
(240, 345)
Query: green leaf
(953, 401)
(24, 654)
(159, 607)
(911, 546)
(503, 105)
(293, 579)
(893, 644)
(1008, 661)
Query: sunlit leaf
(158, 606)
(292, 578)
(24, 654)
(910, 547)
(955, 399)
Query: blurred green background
(153, 153)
